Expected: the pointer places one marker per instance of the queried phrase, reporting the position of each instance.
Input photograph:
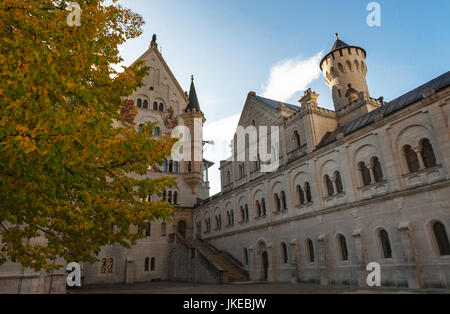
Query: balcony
(424, 176)
(372, 190)
(334, 200)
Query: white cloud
(221, 132)
(292, 75)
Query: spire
(338, 44)
(193, 100)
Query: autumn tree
(70, 181)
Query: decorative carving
(170, 120)
(129, 112)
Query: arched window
(161, 107)
(263, 202)
(165, 165)
(341, 68)
(301, 195)
(308, 192)
(139, 103)
(284, 251)
(329, 184)
(164, 196)
(242, 213)
(246, 213)
(110, 265)
(175, 198)
(171, 166)
(297, 139)
(277, 202)
(365, 174)
(356, 62)
(310, 248)
(190, 166)
(232, 217)
(157, 131)
(349, 65)
(103, 266)
(333, 72)
(245, 256)
(153, 264)
(145, 105)
(339, 185)
(411, 159)
(283, 200)
(155, 106)
(376, 169)
(258, 209)
(147, 264)
(176, 167)
(441, 237)
(148, 231)
(169, 197)
(428, 157)
(385, 244)
(163, 229)
(343, 247)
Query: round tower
(344, 69)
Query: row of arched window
(370, 173)
(148, 230)
(171, 166)
(150, 264)
(143, 103)
(170, 197)
(230, 216)
(439, 234)
(348, 67)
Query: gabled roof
(154, 48)
(397, 104)
(274, 104)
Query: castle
(367, 182)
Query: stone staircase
(232, 273)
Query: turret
(194, 119)
(344, 69)
(344, 65)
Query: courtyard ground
(248, 288)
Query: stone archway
(181, 229)
(262, 262)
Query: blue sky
(231, 46)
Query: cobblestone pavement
(251, 288)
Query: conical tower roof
(193, 99)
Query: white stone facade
(342, 199)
